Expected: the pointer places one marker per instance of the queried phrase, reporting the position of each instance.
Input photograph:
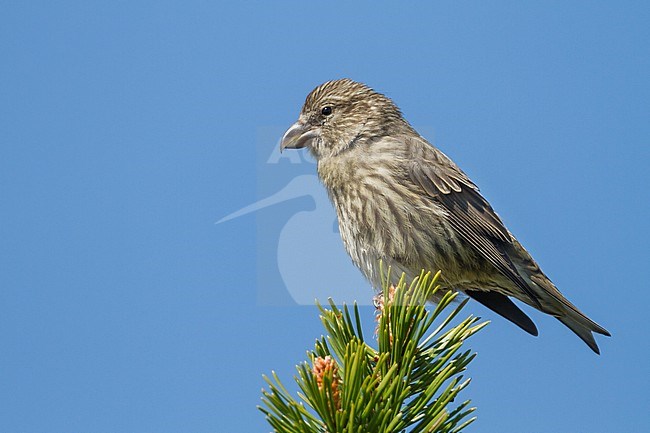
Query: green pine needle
(409, 383)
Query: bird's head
(340, 114)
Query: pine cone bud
(327, 367)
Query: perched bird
(402, 201)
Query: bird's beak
(297, 136)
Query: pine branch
(409, 383)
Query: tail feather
(581, 331)
(578, 317)
(577, 321)
(554, 303)
(551, 300)
(573, 318)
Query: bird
(401, 201)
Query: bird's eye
(326, 111)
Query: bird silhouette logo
(311, 262)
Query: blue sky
(127, 129)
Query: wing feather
(469, 213)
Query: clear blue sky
(127, 129)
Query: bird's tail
(583, 327)
(554, 303)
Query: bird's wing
(502, 305)
(469, 213)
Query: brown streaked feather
(401, 200)
(468, 212)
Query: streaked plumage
(402, 201)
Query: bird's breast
(382, 218)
